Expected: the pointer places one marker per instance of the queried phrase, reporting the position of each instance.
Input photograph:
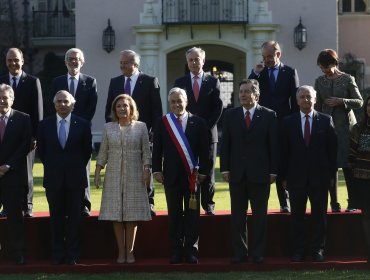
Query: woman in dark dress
(359, 163)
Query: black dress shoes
(238, 260)
(284, 209)
(3, 213)
(258, 259)
(20, 260)
(85, 213)
(297, 258)
(335, 207)
(28, 214)
(192, 259)
(176, 259)
(71, 261)
(318, 256)
(210, 213)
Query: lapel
(241, 118)
(138, 84)
(81, 84)
(189, 88)
(189, 126)
(9, 126)
(299, 131)
(256, 117)
(72, 130)
(54, 128)
(315, 125)
(22, 81)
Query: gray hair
(198, 50)
(15, 50)
(74, 50)
(134, 54)
(181, 91)
(274, 44)
(310, 89)
(70, 97)
(9, 89)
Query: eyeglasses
(73, 59)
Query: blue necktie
(128, 86)
(272, 80)
(72, 86)
(62, 133)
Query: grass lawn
(222, 198)
(279, 275)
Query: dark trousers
(183, 222)
(258, 195)
(12, 198)
(28, 200)
(65, 213)
(283, 194)
(318, 196)
(207, 187)
(86, 201)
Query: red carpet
(345, 246)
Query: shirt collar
(251, 110)
(7, 114)
(184, 116)
(67, 119)
(17, 76)
(200, 75)
(276, 67)
(77, 77)
(303, 115)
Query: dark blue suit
(209, 108)
(65, 180)
(13, 152)
(183, 223)
(86, 99)
(308, 171)
(282, 100)
(250, 155)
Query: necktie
(128, 86)
(14, 84)
(196, 88)
(72, 86)
(272, 80)
(62, 133)
(2, 127)
(307, 133)
(179, 121)
(247, 119)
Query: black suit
(308, 171)
(13, 152)
(86, 99)
(65, 180)
(282, 100)
(28, 99)
(208, 107)
(146, 94)
(250, 155)
(85, 94)
(183, 223)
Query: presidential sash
(182, 145)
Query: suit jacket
(86, 95)
(64, 167)
(209, 105)
(253, 151)
(27, 98)
(317, 162)
(146, 94)
(283, 100)
(164, 148)
(14, 149)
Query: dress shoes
(3, 213)
(318, 256)
(176, 259)
(28, 214)
(192, 259)
(85, 213)
(238, 260)
(335, 207)
(210, 213)
(349, 210)
(20, 260)
(284, 209)
(71, 261)
(258, 259)
(130, 258)
(297, 258)
(152, 211)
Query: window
(353, 6)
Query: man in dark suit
(28, 99)
(15, 138)
(144, 89)
(203, 93)
(278, 86)
(83, 88)
(309, 151)
(64, 143)
(248, 161)
(180, 185)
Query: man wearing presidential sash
(180, 155)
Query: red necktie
(247, 119)
(179, 121)
(2, 127)
(307, 133)
(196, 88)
